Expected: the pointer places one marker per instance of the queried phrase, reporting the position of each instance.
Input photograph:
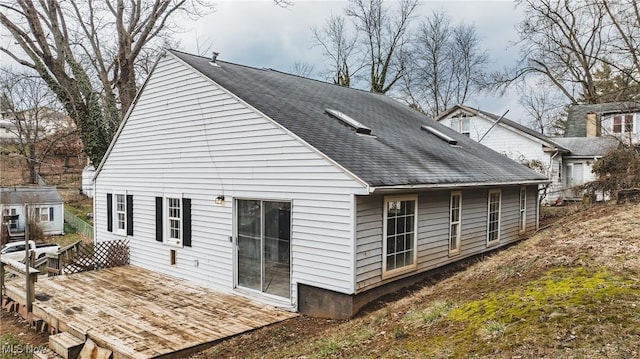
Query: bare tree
(303, 69)
(447, 65)
(71, 45)
(339, 46)
(384, 38)
(27, 102)
(561, 41)
(624, 17)
(545, 109)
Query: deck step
(93, 351)
(66, 345)
(46, 354)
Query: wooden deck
(137, 313)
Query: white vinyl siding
(434, 230)
(188, 136)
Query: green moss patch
(558, 310)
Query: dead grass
(570, 291)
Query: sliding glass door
(264, 246)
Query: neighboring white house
(617, 119)
(45, 205)
(88, 172)
(296, 192)
(511, 139)
(567, 161)
(8, 133)
(578, 163)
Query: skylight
(360, 128)
(439, 134)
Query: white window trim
(165, 221)
(623, 127)
(394, 272)
(522, 218)
(491, 192)
(114, 216)
(451, 223)
(38, 213)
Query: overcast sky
(260, 34)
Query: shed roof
(397, 153)
(588, 146)
(26, 195)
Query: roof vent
(440, 135)
(214, 57)
(360, 128)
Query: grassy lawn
(571, 291)
(79, 205)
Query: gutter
(455, 185)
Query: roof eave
(455, 185)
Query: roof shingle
(398, 153)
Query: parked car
(15, 250)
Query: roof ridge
(268, 69)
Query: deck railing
(30, 273)
(89, 256)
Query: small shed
(45, 205)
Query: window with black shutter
(129, 215)
(159, 219)
(109, 212)
(186, 222)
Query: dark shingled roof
(588, 146)
(577, 115)
(26, 195)
(398, 153)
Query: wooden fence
(77, 223)
(89, 256)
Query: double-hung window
(455, 209)
(42, 214)
(462, 125)
(493, 216)
(400, 234)
(173, 221)
(120, 213)
(623, 123)
(13, 224)
(523, 210)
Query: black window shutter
(109, 213)
(129, 215)
(51, 213)
(159, 219)
(186, 222)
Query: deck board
(138, 313)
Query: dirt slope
(571, 291)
